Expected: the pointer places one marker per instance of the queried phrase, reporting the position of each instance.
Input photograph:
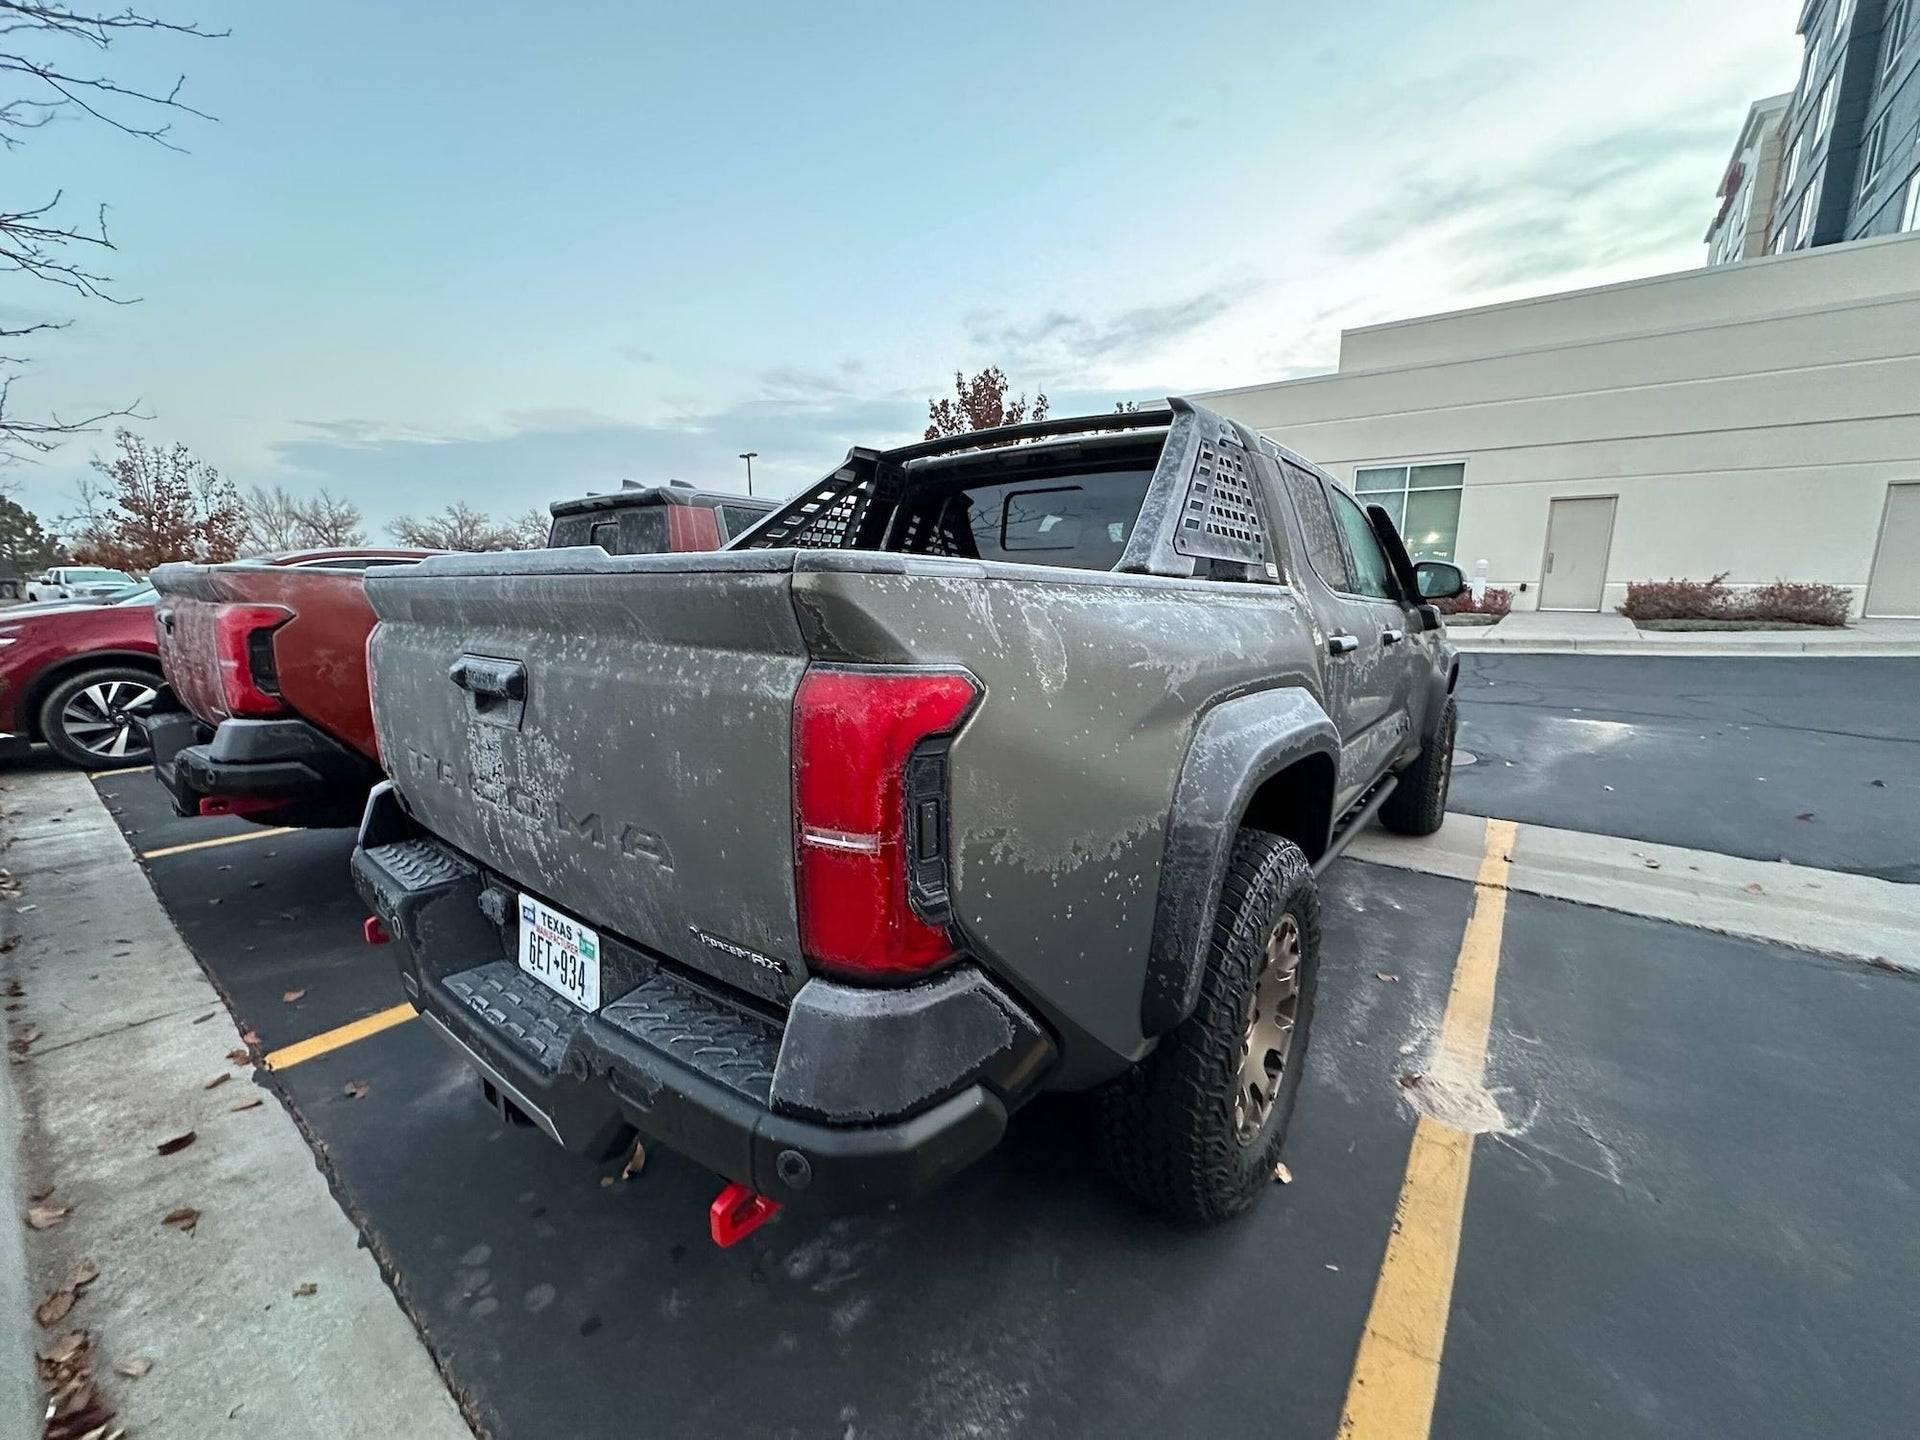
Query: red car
(269, 665)
(268, 715)
(77, 676)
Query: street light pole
(748, 456)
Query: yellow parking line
(287, 1056)
(125, 770)
(258, 834)
(1396, 1372)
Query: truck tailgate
(612, 734)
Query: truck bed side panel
(644, 783)
(1063, 776)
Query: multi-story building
(1744, 222)
(1850, 165)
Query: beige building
(1759, 419)
(1748, 186)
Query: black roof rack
(1033, 430)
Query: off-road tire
(53, 708)
(1167, 1129)
(1419, 803)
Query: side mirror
(1440, 580)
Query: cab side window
(1372, 576)
(1317, 526)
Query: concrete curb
(131, 1036)
(1826, 912)
(1470, 644)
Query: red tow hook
(736, 1213)
(374, 932)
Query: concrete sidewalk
(1534, 632)
(265, 1318)
(1854, 917)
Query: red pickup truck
(268, 669)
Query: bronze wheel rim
(1266, 1038)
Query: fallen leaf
(135, 1368)
(636, 1162)
(218, 1080)
(1651, 864)
(354, 1089)
(292, 995)
(52, 1310)
(177, 1143)
(1334, 1268)
(239, 1057)
(1412, 1081)
(13, 985)
(1878, 784)
(250, 1037)
(305, 1289)
(1282, 1174)
(253, 1104)
(1804, 815)
(182, 1219)
(206, 1017)
(69, 1348)
(1752, 887)
(606, 1180)
(1382, 975)
(45, 1217)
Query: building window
(1842, 13)
(1779, 246)
(1793, 164)
(1809, 211)
(1816, 52)
(1897, 18)
(1424, 501)
(1911, 219)
(1873, 155)
(1823, 121)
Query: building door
(1894, 589)
(1579, 534)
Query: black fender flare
(1237, 747)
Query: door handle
(1392, 637)
(482, 675)
(1342, 644)
(1549, 562)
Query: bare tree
(273, 521)
(458, 527)
(981, 404)
(328, 519)
(42, 240)
(530, 528)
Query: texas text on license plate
(560, 953)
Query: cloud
(1066, 348)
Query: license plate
(560, 952)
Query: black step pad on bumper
(852, 1098)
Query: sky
(506, 254)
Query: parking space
(1682, 1214)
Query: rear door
(611, 735)
(1377, 677)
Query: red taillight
(692, 527)
(243, 641)
(854, 734)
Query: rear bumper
(281, 771)
(854, 1097)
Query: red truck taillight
(243, 641)
(869, 792)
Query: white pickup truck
(78, 582)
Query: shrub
(1677, 599)
(1799, 602)
(1494, 602)
(1790, 602)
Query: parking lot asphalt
(1815, 761)
(1686, 1216)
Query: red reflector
(373, 931)
(238, 804)
(245, 662)
(853, 731)
(736, 1213)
